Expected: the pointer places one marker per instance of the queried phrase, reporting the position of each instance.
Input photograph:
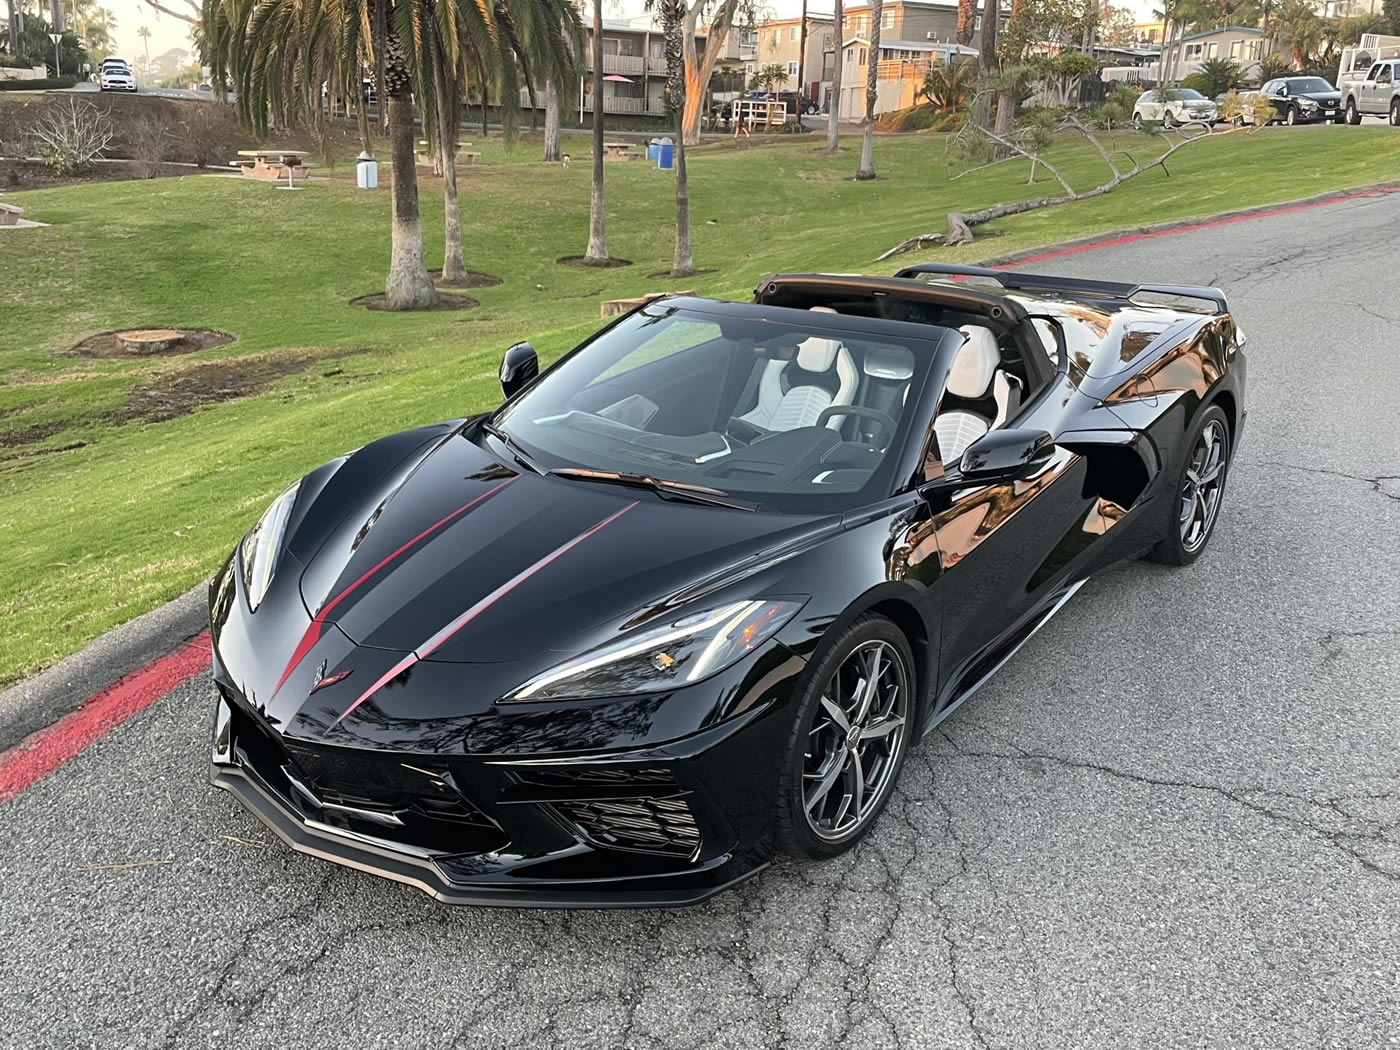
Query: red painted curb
(99, 714)
(1205, 224)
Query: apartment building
(779, 42)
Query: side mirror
(519, 365)
(1005, 455)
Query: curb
(37, 702)
(1047, 251)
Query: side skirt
(1019, 637)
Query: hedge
(38, 84)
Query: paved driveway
(1172, 821)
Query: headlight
(661, 658)
(1308, 103)
(261, 547)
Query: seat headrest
(815, 354)
(975, 364)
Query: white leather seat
(975, 374)
(794, 393)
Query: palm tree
(833, 109)
(947, 85)
(551, 122)
(673, 13)
(967, 18)
(770, 79)
(278, 52)
(597, 253)
(145, 35)
(866, 171)
(1300, 27)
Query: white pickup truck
(1368, 79)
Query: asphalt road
(1172, 821)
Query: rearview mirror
(519, 365)
(1005, 455)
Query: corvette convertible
(687, 598)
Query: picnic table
(271, 164)
(618, 151)
(427, 159)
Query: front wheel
(1291, 117)
(1167, 119)
(1395, 113)
(1199, 490)
(1353, 117)
(851, 732)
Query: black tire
(1353, 117)
(1168, 121)
(1395, 113)
(1137, 120)
(1183, 544)
(796, 832)
(1291, 117)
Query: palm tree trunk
(833, 110)
(987, 56)
(673, 19)
(597, 253)
(452, 267)
(408, 286)
(551, 121)
(866, 171)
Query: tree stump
(149, 340)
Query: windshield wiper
(663, 487)
(521, 456)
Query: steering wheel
(858, 410)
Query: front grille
(645, 825)
(407, 802)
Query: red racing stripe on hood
(314, 629)
(426, 649)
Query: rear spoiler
(1034, 282)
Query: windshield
(1309, 84)
(1187, 94)
(773, 409)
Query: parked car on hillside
(1376, 96)
(1303, 100)
(115, 75)
(1173, 106)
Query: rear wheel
(849, 739)
(1199, 490)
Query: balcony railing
(619, 63)
(656, 65)
(903, 69)
(642, 107)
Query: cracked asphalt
(1173, 820)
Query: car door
(1366, 90)
(1380, 91)
(996, 554)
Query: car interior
(766, 409)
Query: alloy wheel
(1395, 114)
(1292, 117)
(853, 748)
(1202, 487)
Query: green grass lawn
(104, 514)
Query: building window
(1212, 50)
(977, 23)
(1235, 48)
(795, 33)
(862, 56)
(887, 20)
(777, 34)
(611, 45)
(1193, 51)
(658, 49)
(1254, 50)
(792, 69)
(748, 69)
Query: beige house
(779, 42)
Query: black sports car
(1304, 100)
(689, 596)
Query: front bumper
(668, 826)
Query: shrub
(1197, 82)
(150, 139)
(38, 84)
(209, 129)
(1222, 75)
(1273, 65)
(70, 136)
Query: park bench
(272, 164)
(619, 151)
(427, 160)
(9, 214)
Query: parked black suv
(1303, 100)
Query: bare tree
(982, 142)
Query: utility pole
(802, 64)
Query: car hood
(510, 564)
(1320, 96)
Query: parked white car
(115, 75)
(1172, 106)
